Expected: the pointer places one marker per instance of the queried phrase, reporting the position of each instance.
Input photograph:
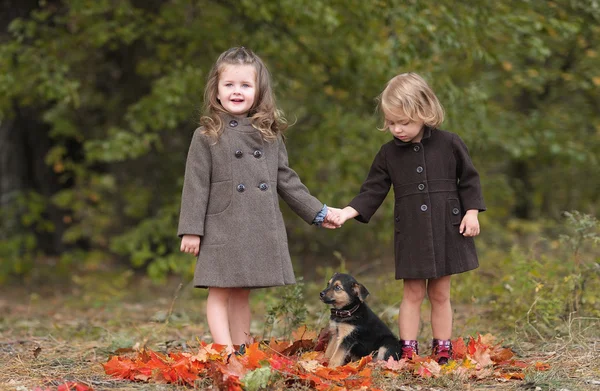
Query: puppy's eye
(338, 288)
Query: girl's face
(404, 129)
(237, 88)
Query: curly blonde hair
(266, 117)
(409, 95)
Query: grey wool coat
(434, 183)
(230, 199)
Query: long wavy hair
(266, 117)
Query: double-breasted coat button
(397, 219)
(238, 153)
(419, 169)
(257, 154)
(455, 211)
(233, 123)
(263, 186)
(421, 186)
(424, 208)
(241, 188)
(417, 148)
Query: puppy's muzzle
(324, 298)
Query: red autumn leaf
(74, 386)
(119, 367)
(423, 372)
(281, 363)
(323, 340)
(227, 376)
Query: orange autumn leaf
(279, 346)
(302, 332)
(303, 344)
(254, 356)
(499, 355)
(459, 348)
(540, 366)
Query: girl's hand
(345, 214)
(469, 225)
(190, 244)
(331, 218)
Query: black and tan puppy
(355, 330)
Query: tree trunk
(24, 143)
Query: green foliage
(542, 285)
(257, 379)
(119, 84)
(287, 311)
(19, 220)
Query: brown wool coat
(434, 183)
(230, 199)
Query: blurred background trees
(99, 100)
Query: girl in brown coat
(437, 199)
(237, 166)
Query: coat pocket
(453, 208)
(219, 198)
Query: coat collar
(240, 124)
(426, 135)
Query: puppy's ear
(360, 291)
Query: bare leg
(239, 316)
(218, 317)
(438, 291)
(410, 309)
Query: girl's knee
(439, 296)
(414, 291)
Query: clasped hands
(336, 217)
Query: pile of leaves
(302, 360)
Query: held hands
(330, 219)
(469, 225)
(190, 244)
(341, 215)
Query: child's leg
(438, 291)
(239, 316)
(218, 317)
(410, 309)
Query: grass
(49, 335)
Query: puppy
(355, 330)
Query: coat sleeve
(373, 190)
(291, 189)
(469, 186)
(196, 187)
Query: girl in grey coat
(437, 199)
(237, 166)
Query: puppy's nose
(322, 294)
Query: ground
(49, 335)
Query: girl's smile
(237, 88)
